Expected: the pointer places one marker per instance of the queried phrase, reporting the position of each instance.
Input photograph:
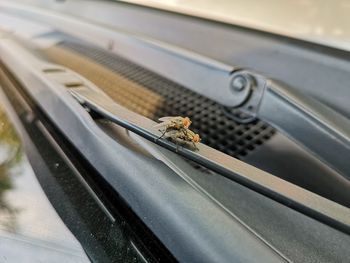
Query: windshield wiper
(263, 182)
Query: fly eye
(196, 138)
(186, 122)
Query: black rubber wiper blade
(291, 195)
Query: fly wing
(168, 118)
(165, 121)
(162, 124)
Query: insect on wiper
(177, 129)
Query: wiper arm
(317, 127)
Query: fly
(177, 129)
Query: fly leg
(178, 139)
(163, 133)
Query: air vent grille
(215, 128)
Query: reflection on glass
(10, 156)
(29, 226)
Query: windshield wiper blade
(291, 195)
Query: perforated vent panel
(215, 128)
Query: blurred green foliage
(10, 156)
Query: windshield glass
(321, 22)
(29, 226)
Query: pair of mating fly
(176, 129)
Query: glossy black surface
(103, 224)
(29, 225)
